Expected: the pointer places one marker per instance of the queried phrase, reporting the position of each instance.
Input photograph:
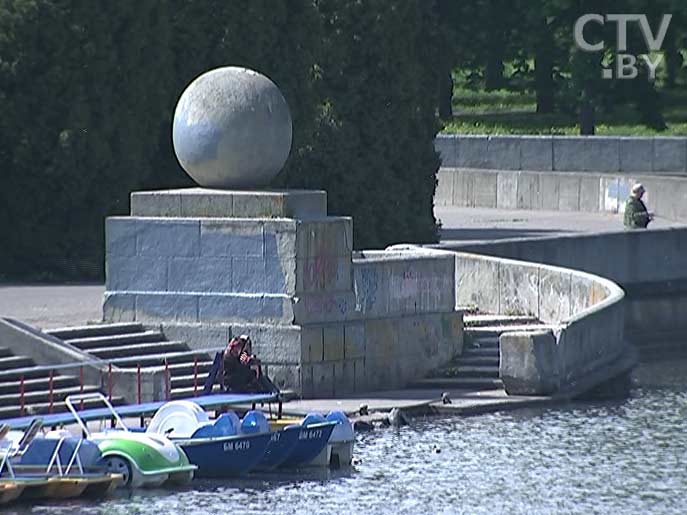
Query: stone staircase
(477, 368)
(128, 345)
(36, 387)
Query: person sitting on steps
(242, 369)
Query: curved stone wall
(584, 342)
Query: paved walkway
(50, 306)
(463, 402)
(479, 224)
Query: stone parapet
(602, 154)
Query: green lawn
(505, 112)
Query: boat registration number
(310, 434)
(236, 446)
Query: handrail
(92, 396)
(105, 362)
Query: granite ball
(232, 129)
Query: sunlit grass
(507, 112)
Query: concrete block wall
(221, 269)
(323, 322)
(377, 354)
(558, 191)
(333, 359)
(387, 284)
(603, 154)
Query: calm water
(621, 457)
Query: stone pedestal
(208, 264)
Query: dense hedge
(88, 89)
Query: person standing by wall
(636, 214)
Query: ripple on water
(617, 457)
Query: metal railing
(111, 369)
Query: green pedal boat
(144, 460)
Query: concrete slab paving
(463, 402)
(480, 224)
(50, 306)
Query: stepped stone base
(203, 202)
(210, 264)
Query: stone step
(186, 392)
(29, 372)
(114, 340)
(86, 331)
(477, 370)
(154, 360)
(43, 408)
(490, 359)
(37, 384)
(5, 352)
(482, 343)
(138, 349)
(492, 352)
(471, 321)
(496, 330)
(43, 396)
(459, 383)
(8, 363)
(186, 381)
(186, 368)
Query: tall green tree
(82, 84)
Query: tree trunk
(543, 83)
(673, 60)
(587, 114)
(543, 70)
(493, 73)
(446, 96)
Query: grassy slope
(505, 112)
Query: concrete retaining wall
(643, 155)
(346, 323)
(585, 340)
(558, 191)
(650, 265)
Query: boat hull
(10, 490)
(312, 447)
(228, 456)
(282, 443)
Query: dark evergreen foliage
(88, 90)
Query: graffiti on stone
(331, 305)
(366, 287)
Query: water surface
(626, 456)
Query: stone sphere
(232, 129)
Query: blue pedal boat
(227, 456)
(312, 447)
(219, 449)
(282, 444)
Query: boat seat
(178, 419)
